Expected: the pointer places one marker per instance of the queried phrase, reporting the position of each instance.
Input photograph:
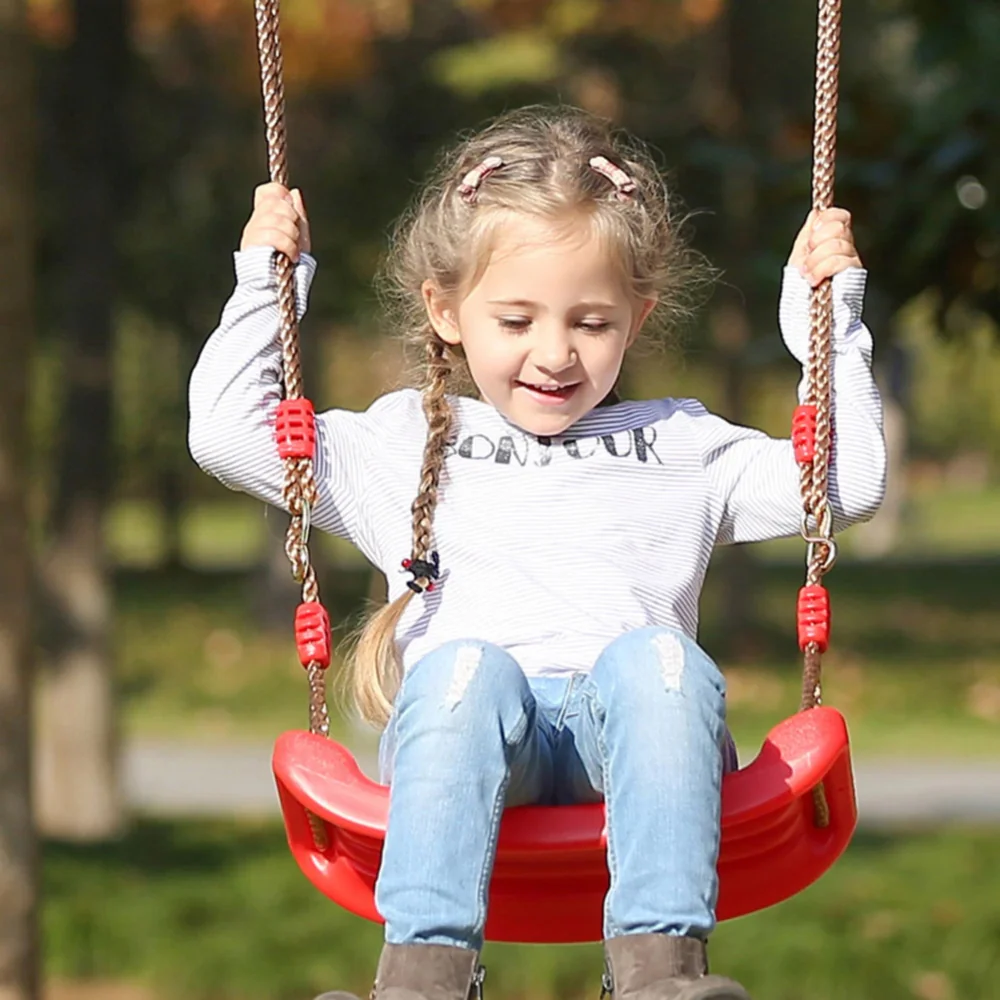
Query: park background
(142, 601)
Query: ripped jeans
(470, 734)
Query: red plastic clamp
(804, 433)
(295, 428)
(312, 634)
(814, 617)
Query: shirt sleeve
(756, 477)
(233, 397)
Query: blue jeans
(470, 734)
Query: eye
(516, 324)
(594, 325)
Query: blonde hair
(447, 238)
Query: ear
(643, 308)
(440, 313)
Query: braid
(376, 670)
(439, 419)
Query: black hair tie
(423, 569)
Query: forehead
(546, 258)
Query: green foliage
(218, 911)
(523, 57)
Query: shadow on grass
(219, 910)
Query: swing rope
(815, 499)
(300, 483)
(817, 522)
(821, 549)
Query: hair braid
(376, 668)
(439, 418)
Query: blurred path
(171, 778)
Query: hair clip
(625, 187)
(471, 181)
(423, 569)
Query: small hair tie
(625, 187)
(471, 181)
(423, 569)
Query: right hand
(279, 221)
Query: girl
(541, 644)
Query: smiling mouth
(549, 393)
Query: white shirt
(549, 547)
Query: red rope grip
(804, 433)
(814, 617)
(312, 634)
(295, 428)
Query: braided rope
(815, 499)
(300, 484)
(818, 517)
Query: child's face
(546, 326)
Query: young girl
(540, 646)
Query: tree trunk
(78, 781)
(275, 594)
(18, 865)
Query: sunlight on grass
(222, 535)
(957, 521)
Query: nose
(553, 351)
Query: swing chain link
(821, 546)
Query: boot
(663, 967)
(424, 972)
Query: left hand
(825, 246)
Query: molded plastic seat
(550, 875)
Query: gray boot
(663, 967)
(424, 972)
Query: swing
(786, 817)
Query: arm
(757, 477)
(236, 385)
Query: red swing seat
(550, 875)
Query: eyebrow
(527, 303)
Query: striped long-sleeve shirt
(549, 547)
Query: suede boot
(663, 967)
(423, 972)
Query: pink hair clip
(624, 185)
(471, 181)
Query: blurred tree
(924, 156)
(78, 782)
(18, 864)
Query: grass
(915, 664)
(218, 911)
